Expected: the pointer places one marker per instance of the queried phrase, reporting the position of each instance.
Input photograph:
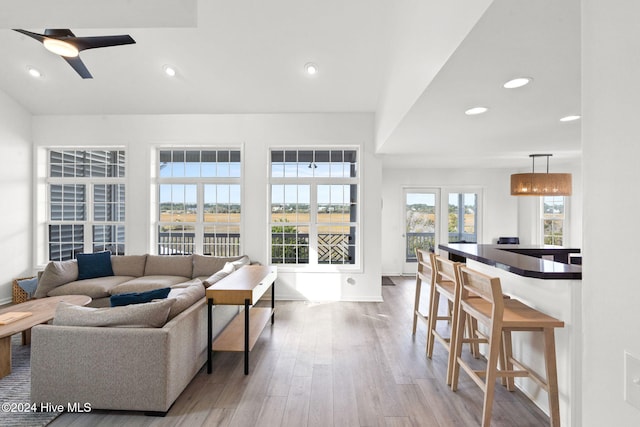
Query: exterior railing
(333, 248)
(419, 241)
(428, 241)
(462, 238)
(293, 248)
(213, 244)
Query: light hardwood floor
(332, 364)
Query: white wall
(15, 193)
(414, 58)
(499, 216)
(611, 167)
(140, 134)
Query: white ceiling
(248, 56)
(538, 39)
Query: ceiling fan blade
(83, 43)
(77, 64)
(36, 36)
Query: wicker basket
(19, 295)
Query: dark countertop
(523, 260)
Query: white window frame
(565, 220)
(200, 182)
(313, 182)
(444, 210)
(89, 182)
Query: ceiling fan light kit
(64, 43)
(540, 184)
(60, 47)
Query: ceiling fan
(64, 43)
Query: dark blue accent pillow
(94, 265)
(138, 297)
(29, 285)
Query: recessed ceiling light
(476, 110)
(33, 72)
(517, 82)
(311, 69)
(570, 118)
(169, 70)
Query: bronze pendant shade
(540, 184)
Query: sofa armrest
(118, 368)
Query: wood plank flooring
(332, 364)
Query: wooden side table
(244, 287)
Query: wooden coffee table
(42, 310)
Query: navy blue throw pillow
(94, 265)
(138, 297)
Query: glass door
(463, 216)
(421, 224)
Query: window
(86, 202)
(199, 202)
(463, 218)
(314, 206)
(553, 220)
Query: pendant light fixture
(540, 184)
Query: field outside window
(313, 212)
(199, 193)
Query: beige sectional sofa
(132, 273)
(126, 363)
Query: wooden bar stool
(447, 284)
(502, 316)
(425, 273)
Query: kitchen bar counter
(555, 289)
(523, 260)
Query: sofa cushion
(185, 298)
(205, 266)
(100, 302)
(167, 265)
(99, 287)
(56, 273)
(242, 261)
(128, 265)
(138, 297)
(148, 283)
(224, 272)
(187, 283)
(94, 265)
(148, 315)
